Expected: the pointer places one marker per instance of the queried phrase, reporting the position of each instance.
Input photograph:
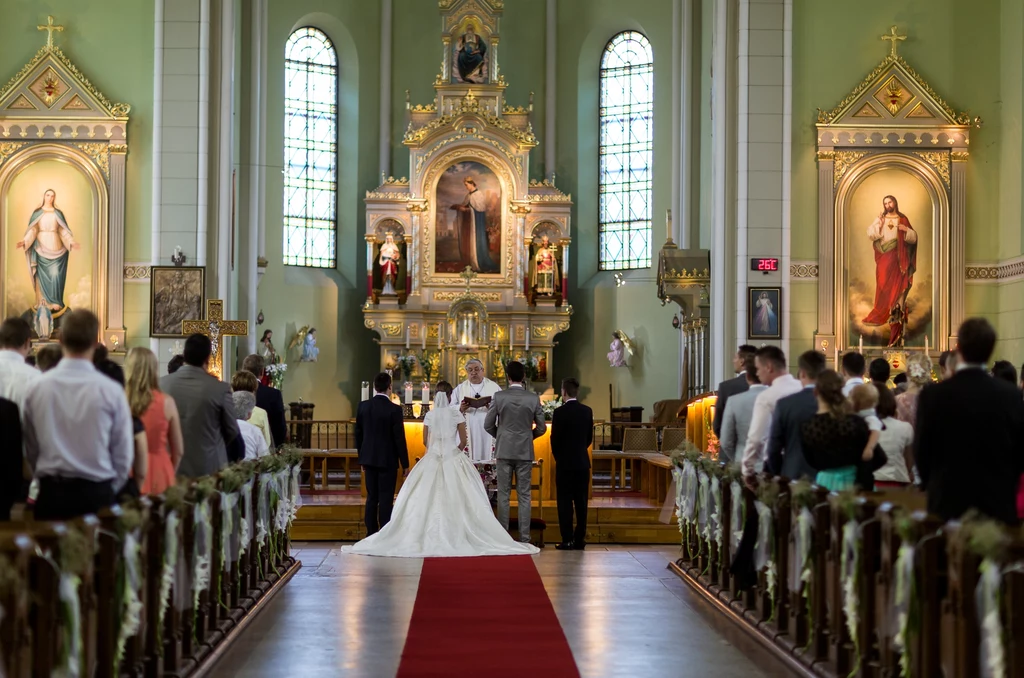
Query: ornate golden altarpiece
(431, 306)
(50, 111)
(893, 120)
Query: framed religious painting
(764, 308)
(176, 295)
(468, 229)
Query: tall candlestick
(835, 356)
(407, 336)
(860, 345)
(423, 336)
(926, 344)
(527, 337)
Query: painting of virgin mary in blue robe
(47, 242)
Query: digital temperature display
(765, 265)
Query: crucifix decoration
(216, 328)
(893, 37)
(468, 273)
(49, 27)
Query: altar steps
(611, 519)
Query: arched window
(310, 150)
(627, 117)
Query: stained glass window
(310, 150)
(626, 117)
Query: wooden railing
(322, 434)
(131, 620)
(865, 585)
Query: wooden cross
(893, 38)
(50, 27)
(216, 328)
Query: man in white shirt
(853, 371)
(771, 370)
(78, 429)
(255, 444)
(16, 376)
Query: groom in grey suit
(510, 420)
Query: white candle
(364, 393)
(860, 345)
(425, 394)
(835, 356)
(511, 340)
(408, 393)
(407, 336)
(423, 336)
(527, 337)
(926, 344)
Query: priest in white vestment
(481, 444)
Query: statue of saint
(310, 353)
(471, 57)
(47, 243)
(545, 272)
(389, 258)
(617, 354)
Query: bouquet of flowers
(276, 372)
(431, 362)
(406, 363)
(549, 407)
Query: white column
(204, 132)
(742, 166)
(385, 88)
(719, 110)
(156, 202)
(225, 99)
(251, 239)
(787, 169)
(264, 10)
(550, 89)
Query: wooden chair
(672, 438)
(636, 442)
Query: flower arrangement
(275, 371)
(714, 447)
(431, 362)
(406, 363)
(549, 407)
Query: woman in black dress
(834, 438)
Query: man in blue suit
(785, 447)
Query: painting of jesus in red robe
(894, 241)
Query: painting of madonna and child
(468, 228)
(48, 214)
(889, 237)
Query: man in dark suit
(969, 435)
(731, 387)
(380, 439)
(269, 399)
(572, 432)
(12, 478)
(785, 452)
(207, 413)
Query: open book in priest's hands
(477, 402)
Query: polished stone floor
(623, 613)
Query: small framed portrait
(764, 306)
(176, 294)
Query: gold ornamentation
(386, 195)
(893, 38)
(9, 148)
(959, 156)
(136, 272)
(99, 152)
(423, 108)
(50, 27)
(519, 208)
(368, 322)
(470, 105)
(893, 95)
(390, 329)
(48, 87)
(695, 274)
(262, 262)
(75, 103)
(844, 161)
(542, 331)
(563, 326)
(920, 111)
(216, 328)
(482, 296)
(937, 159)
(866, 111)
(391, 181)
(22, 104)
(514, 110)
(803, 271)
(826, 155)
(115, 110)
(120, 149)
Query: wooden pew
(151, 632)
(798, 625)
(932, 581)
(108, 611)
(959, 631)
(17, 558)
(1013, 612)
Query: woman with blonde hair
(159, 415)
(247, 381)
(919, 374)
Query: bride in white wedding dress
(442, 509)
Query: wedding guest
(572, 432)
(1004, 369)
(834, 438)
(101, 359)
(731, 387)
(771, 371)
(919, 374)
(243, 380)
(13, 488)
(268, 398)
(785, 454)
(78, 429)
(853, 371)
(878, 372)
(15, 376)
(159, 415)
(897, 440)
(947, 365)
(971, 413)
(900, 383)
(47, 357)
(863, 401)
(175, 363)
(255, 444)
(738, 413)
(380, 439)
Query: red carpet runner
(484, 617)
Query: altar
(466, 257)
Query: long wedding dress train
(442, 509)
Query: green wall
(118, 60)
(973, 59)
